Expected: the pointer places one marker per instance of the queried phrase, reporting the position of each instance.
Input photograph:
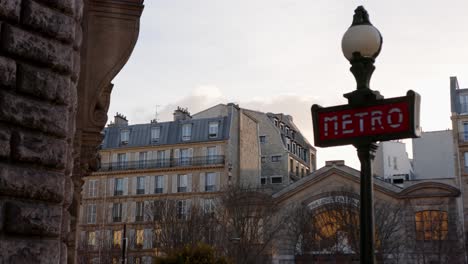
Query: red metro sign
(386, 119)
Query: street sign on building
(379, 120)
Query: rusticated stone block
(29, 251)
(7, 71)
(78, 36)
(10, 9)
(42, 83)
(30, 46)
(32, 219)
(34, 114)
(4, 142)
(48, 21)
(39, 149)
(31, 183)
(65, 5)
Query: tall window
(262, 139)
(208, 206)
(117, 238)
(210, 181)
(161, 159)
(124, 136)
(140, 185)
(139, 235)
(118, 186)
(395, 163)
(91, 214)
(213, 129)
(211, 155)
(122, 160)
(182, 209)
(465, 132)
(186, 132)
(431, 225)
(139, 211)
(92, 188)
(155, 134)
(158, 184)
(142, 161)
(185, 158)
(91, 238)
(288, 143)
(463, 104)
(182, 183)
(117, 212)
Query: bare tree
(96, 249)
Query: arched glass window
(431, 225)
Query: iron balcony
(163, 163)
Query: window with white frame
(92, 188)
(91, 238)
(155, 134)
(288, 144)
(117, 212)
(276, 122)
(158, 184)
(213, 129)
(139, 211)
(118, 186)
(275, 158)
(91, 214)
(142, 161)
(140, 188)
(124, 136)
(161, 159)
(122, 160)
(281, 126)
(185, 158)
(211, 155)
(182, 209)
(210, 181)
(182, 183)
(186, 132)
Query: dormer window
(186, 132)
(282, 126)
(276, 122)
(213, 129)
(155, 134)
(287, 130)
(124, 136)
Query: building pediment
(429, 189)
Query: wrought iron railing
(163, 163)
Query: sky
(285, 55)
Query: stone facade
(45, 131)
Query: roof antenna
(155, 120)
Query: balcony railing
(163, 163)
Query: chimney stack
(120, 120)
(181, 114)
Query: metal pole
(124, 242)
(366, 221)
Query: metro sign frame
(379, 120)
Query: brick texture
(39, 149)
(17, 251)
(31, 183)
(10, 9)
(48, 21)
(36, 114)
(30, 46)
(7, 72)
(43, 83)
(36, 219)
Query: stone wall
(39, 68)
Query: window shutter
(131, 238)
(146, 211)
(174, 183)
(165, 184)
(147, 240)
(147, 185)
(133, 156)
(202, 182)
(114, 158)
(218, 150)
(82, 214)
(83, 239)
(176, 156)
(152, 183)
(124, 212)
(125, 186)
(111, 187)
(108, 238)
(132, 186)
(204, 152)
(109, 210)
(189, 182)
(218, 181)
(96, 190)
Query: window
(297, 170)
(92, 188)
(157, 208)
(208, 206)
(210, 181)
(288, 144)
(91, 214)
(182, 209)
(143, 156)
(185, 158)
(92, 238)
(140, 185)
(182, 183)
(395, 164)
(124, 136)
(117, 238)
(302, 172)
(122, 160)
(287, 130)
(294, 148)
(263, 180)
(158, 184)
(276, 180)
(262, 139)
(155, 134)
(137, 260)
(281, 126)
(186, 132)
(465, 132)
(213, 129)
(117, 212)
(463, 104)
(161, 159)
(263, 159)
(291, 165)
(139, 235)
(118, 186)
(276, 158)
(211, 155)
(139, 211)
(431, 225)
